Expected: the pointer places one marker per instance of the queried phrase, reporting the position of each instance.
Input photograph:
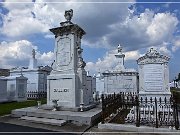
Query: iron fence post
(156, 113)
(175, 109)
(137, 112)
(103, 109)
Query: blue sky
(25, 25)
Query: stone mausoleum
(119, 79)
(67, 83)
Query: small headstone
(3, 89)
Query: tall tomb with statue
(153, 75)
(67, 82)
(69, 89)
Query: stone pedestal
(64, 88)
(32, 63)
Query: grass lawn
(5, 108)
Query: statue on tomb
(81, 63)
(79, 50)
(119, 48)
(153, 53)
(33, 53)
(68, 15)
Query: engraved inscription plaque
(153, 76)
(63, 54)
(120, 84)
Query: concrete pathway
(6, 127)
(69, 128)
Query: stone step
(87, 117)
(44, 120)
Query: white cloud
(143, 30)
(20, 27)
(26, 19)
(46, 58)
(103, 30)
(49, 36)
(132, 55)
(162, 27)
(49, 15)
(176, 44)
(165, 50)
(18, 53)
(21, 4)
(11, 49)
(107, 63)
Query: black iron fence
(156, 112)
(112, 102)
(36, 94)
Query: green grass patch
(175, 89)
(176, 94)
(6, 108)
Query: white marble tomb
(67, 82)
(13, 88)
(119, 79)
(153, 82)
(37, 75)
(153, 75)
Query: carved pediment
(152, 60)
(153, 56)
